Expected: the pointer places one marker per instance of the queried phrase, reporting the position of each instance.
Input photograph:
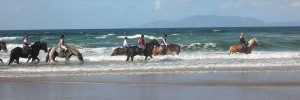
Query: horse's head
(3, 46)
(80, 57)
(41, 46)
(75, 52)
(253, 42)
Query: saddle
(26, 50)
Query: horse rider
(62, 44)
(26, 45)
(164, 43)
(142, 42)
(243, 42)
(125, 45)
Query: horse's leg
(17, 59)
(1, 61)
(128, 56)
(29, 59)
(132, 57)
(146, 57)
(54, 59)
(10, 60)
(67, 59)
(37, 59)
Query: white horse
(239, 48)
(59, 52)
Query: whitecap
(138, 36)
(9, 38)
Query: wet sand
(164, 86)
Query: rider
(62, 44)
(243, 42)
(26, 45)
(164, 43)
(125, 45)
(141, 43)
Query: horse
(170, 48)
(238, 48)
(135, 50)
(18, 52)
(118, 51)
(3, 46)
(59, 52)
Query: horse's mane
(173, 45)
(252, 40)
(40, 42)
(152, 41)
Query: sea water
(202, 49)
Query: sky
(102, 14)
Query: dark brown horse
(118, 51)
(170, 48)
(18, 52)
(135, 50)
(3, 46)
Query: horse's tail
(230, 50)
(114, 52)
(47, 57)
(178, 50)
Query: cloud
(294, 5)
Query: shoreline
(32, 73)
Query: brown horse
(59, 52)
(238, 48)
(170, 48)
(3, 46)
(118, 51)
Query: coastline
(6, 73)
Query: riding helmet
(62, 36)
(165, 35)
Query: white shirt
(125, 43)
(164, 41)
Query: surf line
(229, 84)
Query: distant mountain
(159, 24)
(215, 21)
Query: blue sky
(95, 14)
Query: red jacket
(141, 41)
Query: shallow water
(203, 50)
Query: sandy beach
(165, 86)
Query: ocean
(203, 50)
